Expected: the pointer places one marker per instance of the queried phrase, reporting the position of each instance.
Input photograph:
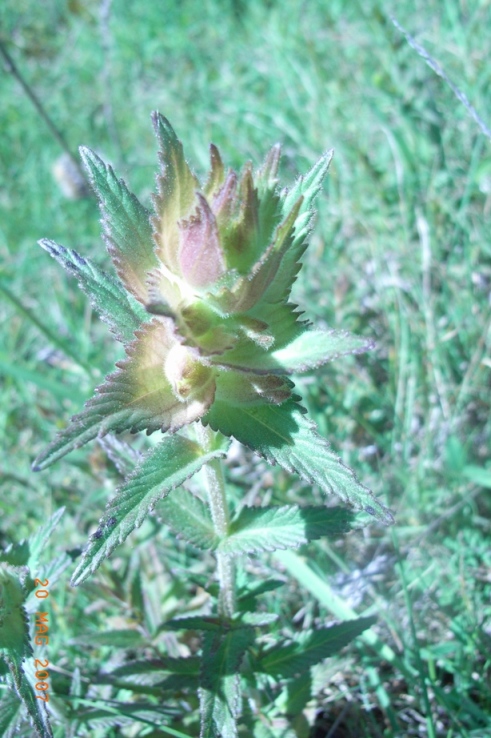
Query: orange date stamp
(41, 626)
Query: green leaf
(190, 518)
(319, 588)
(271, 528)
(247, 595)
(284, 436)
(194, 622)
(161, 470)
(126, 225)
(152, 676)
(220, 696)
(307, 187)
(250, 288)
(136, 397)
(15, 645)
(216, 175)
(165, 665)
(306, 350)
(118, 308)
(288, 660)
(299, 692)
(176, 194)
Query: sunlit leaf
(126, 225)
(270, 528)
(160, 471)
(137, 397)
(176, 194)
(189, 518)
(307, 187)
(306, 350)
(284, 436)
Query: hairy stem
(220, 515)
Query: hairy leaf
(200, 254)
(126, 225)
(160, 471)
(220, 697)
(307, 187)
(136, 397)
(271, 528)
(117, 307)
(306, 350)
(176, 194)
(15, 645)
(190, 518)
(283, 435)
(216, 174)
(288, 660)
(249, 289)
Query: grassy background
(401, 252)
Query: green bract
(201, 303)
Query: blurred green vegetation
(401, 252)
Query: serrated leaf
(136, 397)
(190, 518)
(288, 660)
(284, 436)
(15, 645)
(116, 307)
(307, 187)
(161, 470)
(220, 696)
(126, 225)
(306, 350)
(250, 288)
(200, 255)
(216, 174)
(290, 526)
(176, 194)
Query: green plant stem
(220, 515)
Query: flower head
(201, 302)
